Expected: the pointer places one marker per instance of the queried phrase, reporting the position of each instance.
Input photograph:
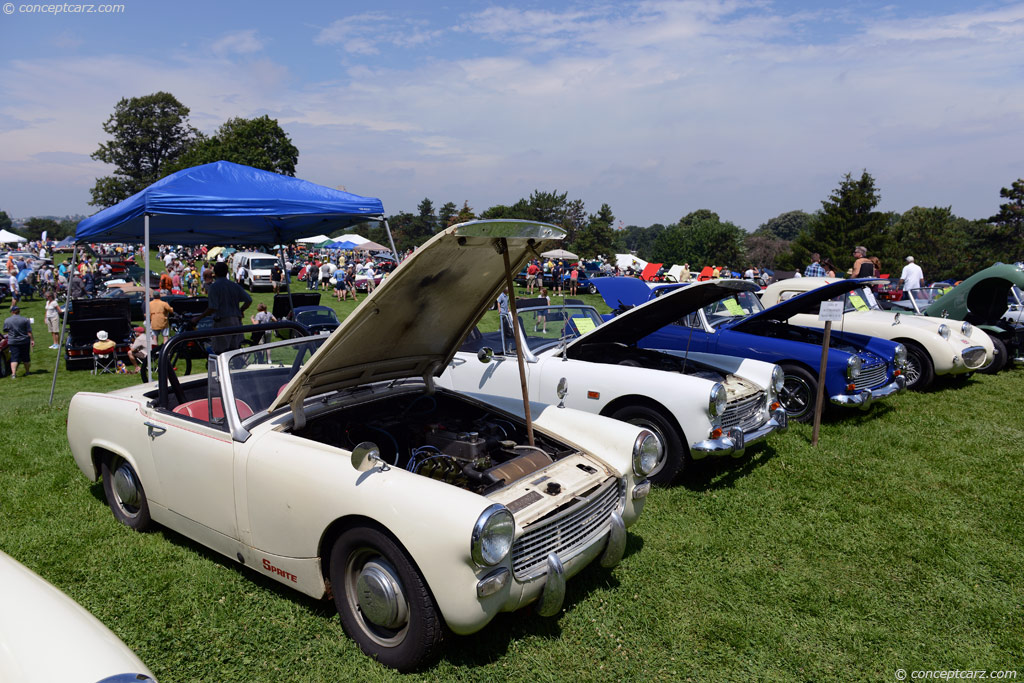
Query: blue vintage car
(860, 369)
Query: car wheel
(1000, 358)
(591, 289)
(125, 495)
(799, 391)
(920, 372)
(384, 603)
(674, 456)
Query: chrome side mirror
(485, 354)
(366, 455)
(896, 319)
(561, 391)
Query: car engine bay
(440, 436)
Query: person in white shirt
(912, 276)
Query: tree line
(151, 137)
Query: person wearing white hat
(912, 276)
(103, 342)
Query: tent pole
(64, 324)
(391, 239)
(149, 326)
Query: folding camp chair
(104, 361)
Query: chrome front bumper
(864, 399)
(735, 442)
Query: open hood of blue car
(808, 302)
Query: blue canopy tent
(341, 245)
(226, 203)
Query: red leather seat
(199, 409)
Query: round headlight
(646, 453)
(778, 379)
(853, 367)
(944, 331)
(717, 400)
(492, 535)
(901, 355)
(966, 329)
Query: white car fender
(592, 388)
(125, 436)
(294, 525)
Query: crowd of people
(189, 271)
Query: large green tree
(640, 240)
(260, 143)
(786, 226)
(847, 218)
(1009, 223)
(597, 237)
(5, 221)
(446, 214)
(701, 238)
(424, 224)
(147, 133)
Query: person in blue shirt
(814, 269)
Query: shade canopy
(341, 245)
(8, 236)
(560, 254)
(370, 246)
(226, 203)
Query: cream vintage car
(935, 346)
(45, 636)
(697, 404)
(336, 466)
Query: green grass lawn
(898, 542)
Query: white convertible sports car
(45, 636)
(934, 346)
(698, 404)
(334, 465)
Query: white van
(257, 268)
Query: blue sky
(747, 108)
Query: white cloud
(658, 108)
(239, 43)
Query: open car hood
(623, 292)
(981, 299)
(412, 324)
(808, 302)
(649, 317)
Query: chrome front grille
(568, 532)
(871, 376)
(974, 356)
(744, 413)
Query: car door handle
(154, 429)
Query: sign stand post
(830, 311)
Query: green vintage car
(982, 301)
